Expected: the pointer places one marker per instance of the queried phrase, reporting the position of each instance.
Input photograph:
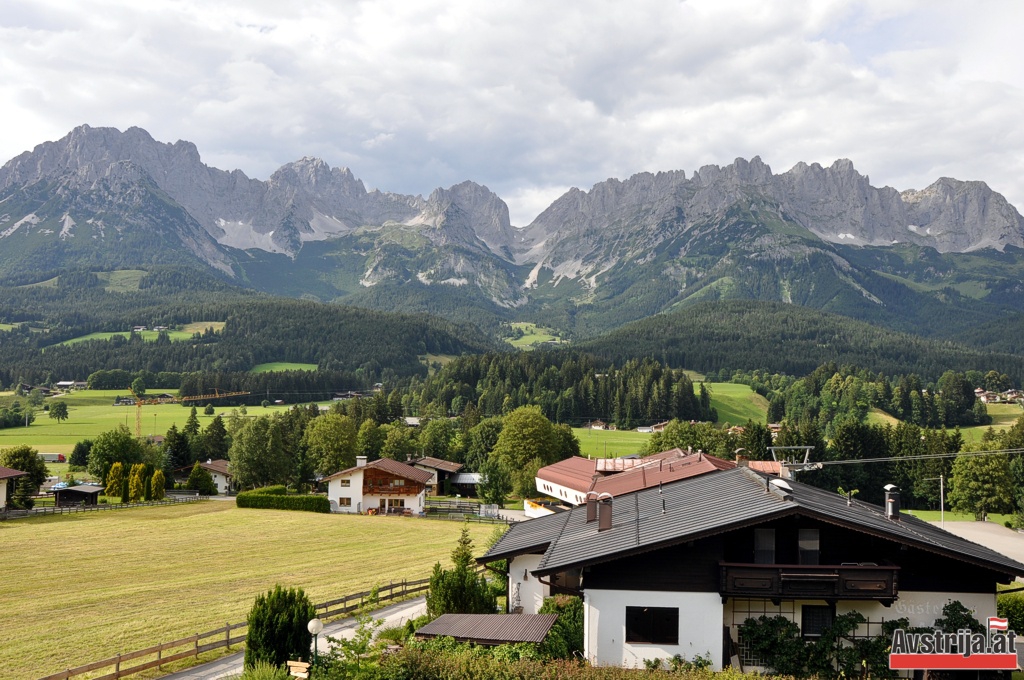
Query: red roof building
(570, 480)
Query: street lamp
(314, 627)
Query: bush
(276, 490)
(460, 590)
(1011, 607)
(249, 499)
(277, 628)
(566, 636)
(264, 671)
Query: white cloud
(529, 97)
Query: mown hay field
(83, 587)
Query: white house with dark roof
(7, 474)
(677, 569)
(439, 469)
(383, 486)
(218, 469)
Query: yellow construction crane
(141, 401)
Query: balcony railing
(819, 582)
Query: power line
(927, 456)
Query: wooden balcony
(820, 582)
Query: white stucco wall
(222, 482)
(3, 494)
(414, 503)
(604, 612)
(922, 608)
(354, 492)
(531, 591)
(562, 493)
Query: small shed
(83, 494)
(489, 629)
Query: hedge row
(277, 490)
(307, 503)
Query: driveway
(231, 666)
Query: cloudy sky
(531, 98)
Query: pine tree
(277, 629)
(135, 484)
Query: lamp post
(314, 627)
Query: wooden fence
(225, 636)
(67, 510)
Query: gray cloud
(531, 98)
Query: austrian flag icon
(996, 623)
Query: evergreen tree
(459, 590)
(277, 630)
(115, 477)
(157, 484)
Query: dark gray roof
(81, 488)
(711, 504)
(490, 629)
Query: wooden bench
(298, 669)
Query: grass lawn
(1003, 416)
(532, 335)
(200, 326)
(281, 366)
(877, 416)
(609, 443)
(91, 585)
(935, 516)
(91, 412)
(736, 404)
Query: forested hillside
(369, 345)
(789, 339)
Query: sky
(531, 98)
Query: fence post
(159, 655)
(117, 667)
(197, 646)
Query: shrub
(275, 490)
(566, 636)
(125, 492)
(277, 627)
(249, 499)
(114, 479)
(264, 671)
(157, 484)
(1011, 607)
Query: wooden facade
(378, 482)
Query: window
(808, 544)
(345, 482)
(764, 546)
(652, 625)
(816, 618)
(397, 482)
(344, 502)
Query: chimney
(360, 461)
(892, 502)
(741, 461)
(591, 506)
(604, 511)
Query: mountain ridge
(622, 250)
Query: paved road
(991, 535)
(231, 666)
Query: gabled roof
(81, 488)
(10, 473)
(711, 504)
(624, 475)
(490, 629)
(437, 464)
(390, 466)
(219, 466)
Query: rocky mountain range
(818, 236)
